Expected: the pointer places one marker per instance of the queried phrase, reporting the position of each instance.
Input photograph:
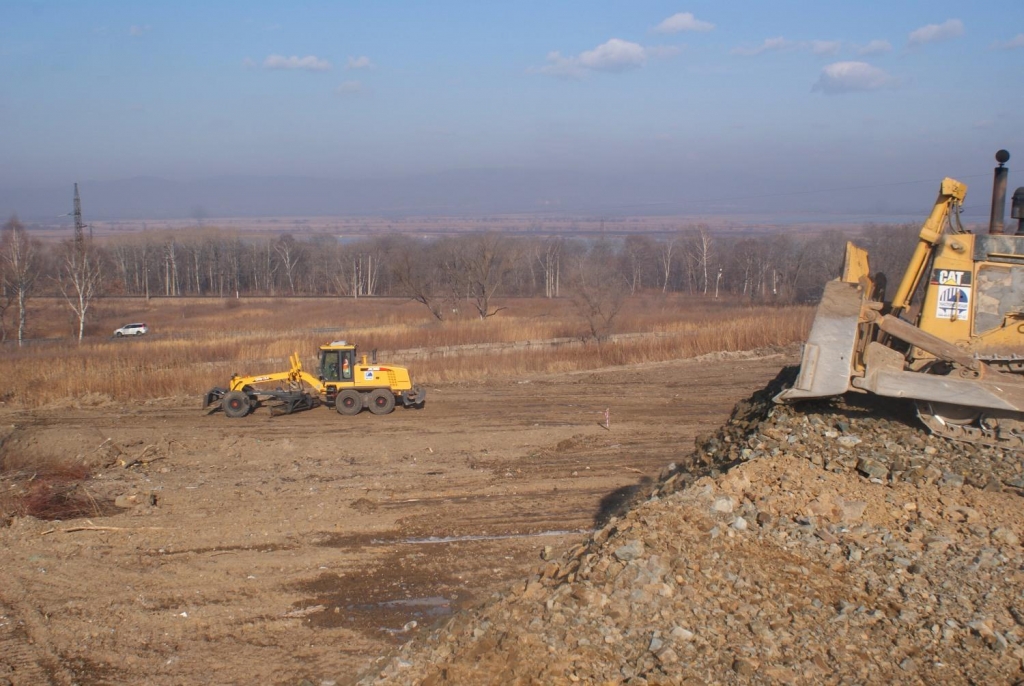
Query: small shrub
(46, 488)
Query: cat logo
(951, 277)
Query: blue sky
(780, 95)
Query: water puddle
(330, 540)
(417, 582)
(372, 604)
(491, 537)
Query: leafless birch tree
(78, 278)
(21, 268)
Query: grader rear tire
(382, 401)
(349, 402)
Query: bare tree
(365, 270)
(485, 258)
(21, 261)
(665, 257)
(6, 301)
(637, 260)
(262, 267)
(428, 276)
(171, 268)
(78, 278)
(551, 261)
(290, 253)
(702, 253)
(596, 298)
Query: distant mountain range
(455, 193)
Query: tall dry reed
(198, 343)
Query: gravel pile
(829, 542)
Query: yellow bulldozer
(345, 381)
(952, 337)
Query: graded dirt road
(275, 549)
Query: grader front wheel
(236, 404)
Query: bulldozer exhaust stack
(995, 222)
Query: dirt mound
(829, 542)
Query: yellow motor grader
(345, 382)
(952, 337)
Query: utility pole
(79, 224)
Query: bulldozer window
(1000, 292)
(329, 365)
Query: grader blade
(288, 402)
(828, 355)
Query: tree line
(450, 276)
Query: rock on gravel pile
(829, 542)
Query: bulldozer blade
(992, 391)
(827, 361)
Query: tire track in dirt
(24, 660)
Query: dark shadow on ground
(621, 500)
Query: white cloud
(777, 44)
(613, 55)
(951, 28)
(559, 65)
(307, 63)
(683, 21)
(249, 63)
(826, 47)
(361, 62)
(846, 77)
(875, 47)
(349, 88)
(137, 30)
(1015, 42)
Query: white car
(131, 330)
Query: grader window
(329, 365)
(999, 293)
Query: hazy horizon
(481, 193)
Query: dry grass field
(198, 343)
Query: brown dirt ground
(270, 550)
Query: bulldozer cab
(975, 294)
(1000, 298)
(336, 364)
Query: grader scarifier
(346, 382)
